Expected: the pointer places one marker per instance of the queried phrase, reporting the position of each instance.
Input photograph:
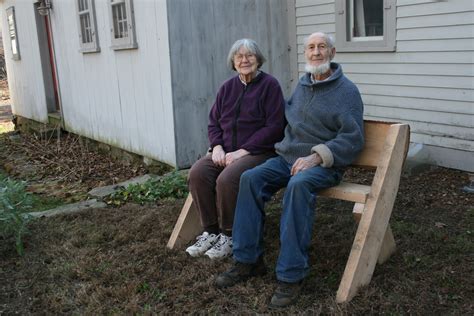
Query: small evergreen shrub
(14, 203)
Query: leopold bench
(385, 149)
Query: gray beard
(318, 70)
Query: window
(123, 24)
(88, 39)
(365, 25)
(12, 33)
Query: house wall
(25, 76)
(428, 82)
(122, 98)
(201, 34)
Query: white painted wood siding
(428, 82)
(124, 97)
(25, 77)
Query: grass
(115, 261)
(6, 127)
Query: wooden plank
(450, 82)
(315, 19)
(435, 8)
(451, 120)
(436, 32)
(388, 246)
(375, 134)
(458, 18)
(429, 93)
(388, 243)
(187, 226)
(374, 221)
(315, 10)
(457, 107)
(348, 192)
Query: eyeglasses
(240, 57)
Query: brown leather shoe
(240, 272)
(285, 294)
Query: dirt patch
(65, 168)
(114, 260)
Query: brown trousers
(214, 189)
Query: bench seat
(346, 191)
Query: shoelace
(222, 240)
(201, 239)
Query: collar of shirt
(245, 83)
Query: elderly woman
(246, 120)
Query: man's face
(317, 51)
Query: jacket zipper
(237, 114)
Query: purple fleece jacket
(250, 117)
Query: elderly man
(324, 134)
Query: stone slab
(104, 191)
(70, 208)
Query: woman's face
(245, 62)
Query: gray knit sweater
(324, 117)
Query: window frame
(386, 43)
(130, 41)
(91, 47)
(14, 43)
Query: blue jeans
(257, 185)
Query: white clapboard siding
(424, 8)
(442, 70)
(435, 33)
(420, 103)
(414, 22)
(419, 92)
(443, 45)
(25, 79)
(122, 98)
(427, 82)
(312, 20)
(315, 10)
(454, 82)
(398, 113)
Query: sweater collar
(336, 74)
(255, 79)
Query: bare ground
(114, 260)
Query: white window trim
(14, 45)
(385, 43)
(129, 42)
(92, 47)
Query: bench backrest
(375, 136)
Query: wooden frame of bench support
(373, 226)
(374, 241)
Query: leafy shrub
(14, 203)
(172, 185)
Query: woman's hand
(307, 162)
(235, 155)
(218, 155)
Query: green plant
(172, 185)
(14, 203)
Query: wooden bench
(386, 146)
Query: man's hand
(235, 155)
(218, 155)
(307, 162)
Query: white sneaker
(221, 249)
(204, 242)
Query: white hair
(251, 46)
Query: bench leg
(388, 243)
(187, 226)
(373, 224)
